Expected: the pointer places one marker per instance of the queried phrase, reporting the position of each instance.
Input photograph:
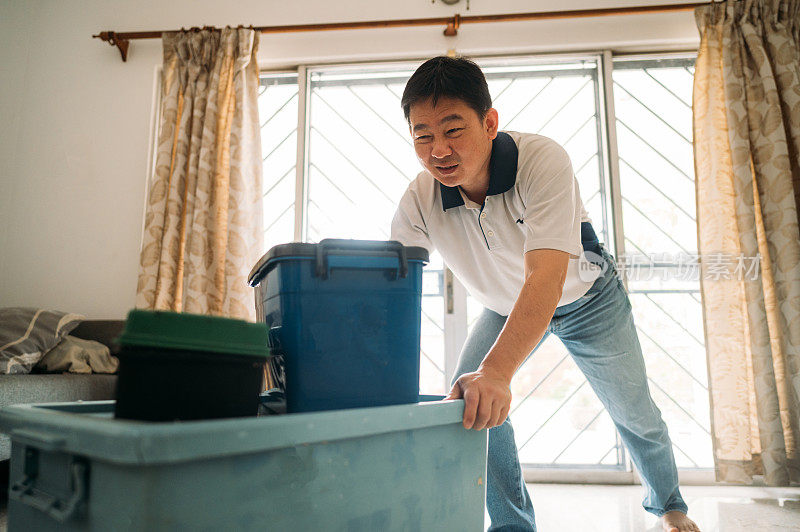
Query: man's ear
(491, 122)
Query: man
(505, 213)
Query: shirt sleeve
(552, 201)
(408, 224)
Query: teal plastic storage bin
(404, 467)
(344, 317)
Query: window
(653, 103)
(277, 109)
(356, 159)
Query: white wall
(76, 121)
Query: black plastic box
(185, 366)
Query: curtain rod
(122, 40)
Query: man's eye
(454, 130)
(423, 137)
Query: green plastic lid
(194, 332)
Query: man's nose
(441, 149)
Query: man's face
(452, 142)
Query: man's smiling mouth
(447, 169)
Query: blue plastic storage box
(405, 467)
(344, 316)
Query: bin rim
(76, 428)
(308, 251)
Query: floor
(586, 508)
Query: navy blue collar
(502, 171)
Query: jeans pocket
(607, 255)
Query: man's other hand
(487, 398)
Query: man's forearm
(526, 324)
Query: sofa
(51, 388)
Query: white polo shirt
(533, 202)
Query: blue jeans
(599, 333)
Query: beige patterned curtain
(747, 142)
(203, 223)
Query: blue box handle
(328, 246)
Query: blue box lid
(336, 246)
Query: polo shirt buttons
(490, 233)
(483, 215)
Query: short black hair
(453, 77)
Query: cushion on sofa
(26, 334)
(76, 355)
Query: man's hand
(486, 392)
(487, 398)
